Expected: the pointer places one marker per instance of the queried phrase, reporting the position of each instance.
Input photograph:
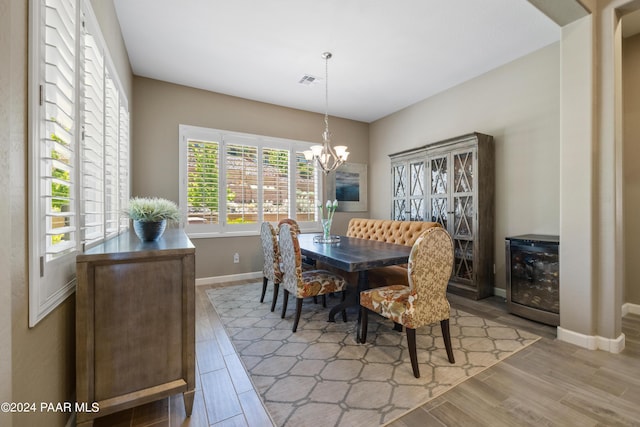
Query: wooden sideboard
(135, 323)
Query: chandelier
(328, 158)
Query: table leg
(353, 298)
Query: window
(241, 179)
(93, 146)
(78, 147)
(231, 182)
(275, 183)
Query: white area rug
(320, 376)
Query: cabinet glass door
(416, 191)
(463, 213)
(451, 182)
(408, 190)
(399, 196)
(439, 193)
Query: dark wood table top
(354, 254)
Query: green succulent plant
(154, 209)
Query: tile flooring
(591, 387)
(224, 394)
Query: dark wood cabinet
(135, 323)
(452, 182)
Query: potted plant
(150, 216)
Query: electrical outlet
(236, 258)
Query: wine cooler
(533, 277)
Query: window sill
(242, 233)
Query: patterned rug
(320, 376)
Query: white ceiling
(387, 54)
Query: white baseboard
(500, 292)
(592, 342)
(628, 308)
(229, 278)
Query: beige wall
(518, 104)
(592, 208)
(12, 122)
(41, 357)
(577, 230)
(631, 138)
(36, 364)
(160, 107)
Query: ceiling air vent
(308, 80)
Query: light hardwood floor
(548, 383)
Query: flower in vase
(326, 221)
(330, 207)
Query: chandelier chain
(325, 155)
(326, 92)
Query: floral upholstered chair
(424, 301)
(271, 268)
(307, 264)
(303, 284)
(292, 223)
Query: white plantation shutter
(241, 163)
(60, 126)
(202, 183)
(306, 188)
(231, 182)
(111, 150)
(54, 126)
(92, 180)
(275, 184)
(123, 165)
(78, 165)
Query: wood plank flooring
(550, 383)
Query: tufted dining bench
(398, 232)
(384, 230)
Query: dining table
(353, 254)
